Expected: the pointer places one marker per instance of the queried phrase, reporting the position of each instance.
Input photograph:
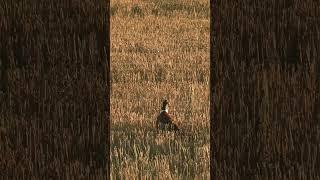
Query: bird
(164, 120)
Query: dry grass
(159, 50)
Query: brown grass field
(160, 49)
(265, 84)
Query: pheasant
(164, 120)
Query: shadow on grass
(184, 153)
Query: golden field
(159, 50)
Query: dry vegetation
(267, 93)
(159, 49)
(52, 90)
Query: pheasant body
(164, 120)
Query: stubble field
(159, 50)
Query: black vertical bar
(106, 47)
(213, 84)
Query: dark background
(265, 89)
(54, 89)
